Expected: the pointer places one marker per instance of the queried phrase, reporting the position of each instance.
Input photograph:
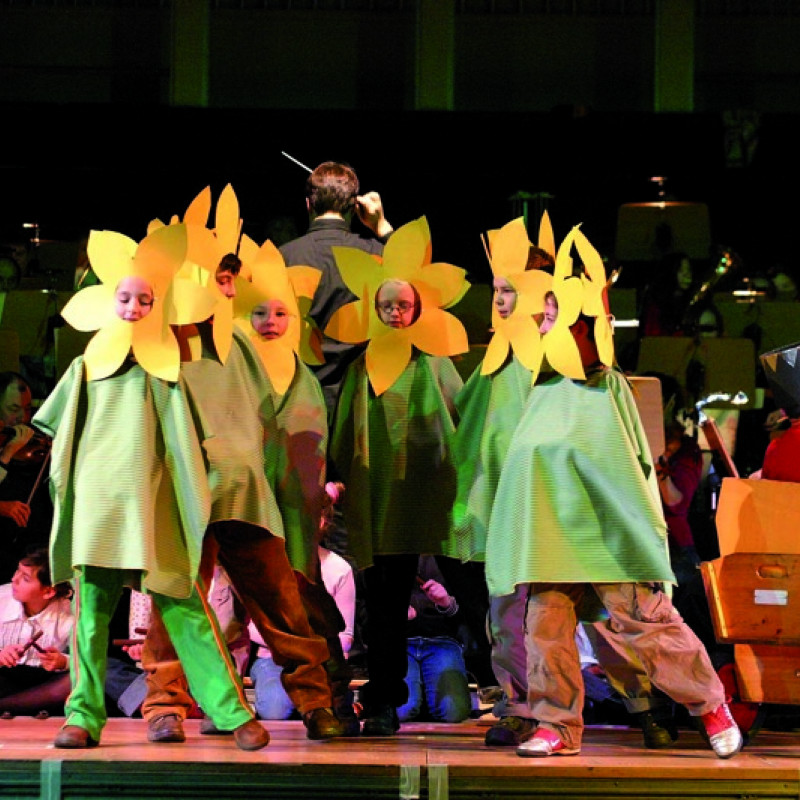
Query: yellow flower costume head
(205, 249)
(510, 248)
(407, 258)
(576, 295)
(270, 280)
(155, 260)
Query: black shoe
(347, 716)
(166, 728)
(658, 732)
(322, 723)
(510, 732)
(383, 722)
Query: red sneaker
(723, 732)
(545, 742)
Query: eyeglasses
(403, 308)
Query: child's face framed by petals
(133, 298)
(396, 303)
(550, 313)
(505, 297)
(270, 319)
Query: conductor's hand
(369, 208)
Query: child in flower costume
(245, 534)
(128, 478)
(271, 310)
(577, 506)
(391, 439)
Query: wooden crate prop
(753, 589)
(768, 673)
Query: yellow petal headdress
(594, 288)
(206, 248)
(269, 279)
(406, 257)
(156, 259)
(520, 331)
(575, 295)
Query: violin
(34, 451)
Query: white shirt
(55, 621)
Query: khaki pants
(642, 623)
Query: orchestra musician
(25, 507)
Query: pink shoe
(545, 742)
(723, 732)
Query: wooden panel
(768, 674)
(754, 597)
(758, 516)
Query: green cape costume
(577, 499)
(393, 453)
(235, 400)
(489, 409)
(295, 456)
(127, 478)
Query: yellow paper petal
(304, 280)
(350, 323)
(191, 302)
(110, 254)
(592, 260)
(248, 252)
(408, 249)
(310, 349)
(107, 349)
(547, 241)
(228, 223)
(203, 250)
(438, 333)
(527, 344)
(510, 248)
(531, 286)
(155, 347)
(360, 272)
(386, 359)
(278, 359)
(562, 352)
(160, 254)
(442, 284)
(569, 294)
(90, 308)
(199, 209)
(496, 354)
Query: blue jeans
(271, 702)
(437, 681)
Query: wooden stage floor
(426, 761)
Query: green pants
(194, 632)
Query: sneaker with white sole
(544, 743)
(723, 732)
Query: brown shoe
(322, 723)
(74, 737)
(166, 728)
(208, 728)
(251, 736)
